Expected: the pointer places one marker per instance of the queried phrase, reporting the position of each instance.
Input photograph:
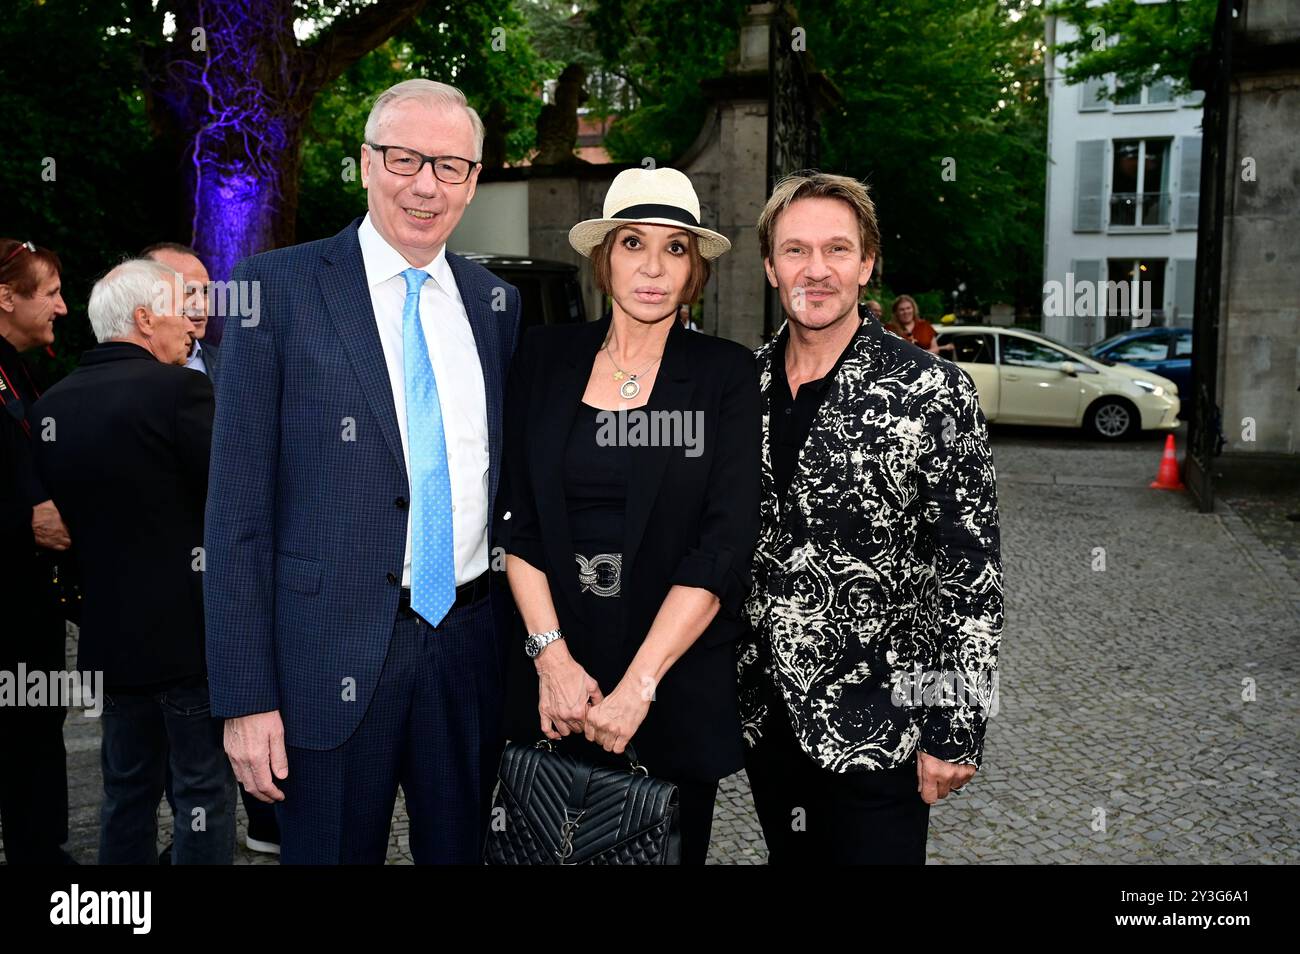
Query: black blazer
(128, 470)
(692, 521)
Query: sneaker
(261, 847)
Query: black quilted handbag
(557, 809)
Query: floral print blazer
(876, 606)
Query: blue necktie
(433, 561)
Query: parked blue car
(1163, 351)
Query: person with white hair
(123, 453)
(352, 641)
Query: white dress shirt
(461, 393)
(195, 360)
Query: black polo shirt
(791, 418)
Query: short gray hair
(431, 93)
(137, 282)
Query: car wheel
(1111, 420)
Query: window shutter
(1090, 167)
(1184, 291)
(1092, 95)
(1189, 182)
(1087, 329)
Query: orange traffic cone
(1167, 478)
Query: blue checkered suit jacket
(305, 528)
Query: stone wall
(1259, 346)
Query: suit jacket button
(400, 503)
(392, 578)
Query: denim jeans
(142, 733)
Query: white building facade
(1123, 182)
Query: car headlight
(1155, 389)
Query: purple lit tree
(228, 89)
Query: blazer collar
(484, 301)
(110, 351)
(861, 353)
(347, 300)
(346, 292)
(860, 356)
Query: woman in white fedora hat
(632, 467)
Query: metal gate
(793, 132)
(1204, 432)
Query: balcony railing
(1139, 209)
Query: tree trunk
(231, 94)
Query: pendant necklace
(630, 387)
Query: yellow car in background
(1027, 378)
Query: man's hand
(48, 528)
(935, 778)
(255, 747)
(564, 691)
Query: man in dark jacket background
(123, 452)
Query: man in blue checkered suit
(351, 638)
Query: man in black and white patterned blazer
(877, 600)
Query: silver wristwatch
(536, 642)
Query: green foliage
(1138, 42)
(931, 86)
(660, 50)
(330, 193)
(921, 80)
(485, 49)
(80, 108)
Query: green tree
(658, 51)
(1139, 43)
(486, 50)
(80, 171)
(943, 115)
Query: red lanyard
(9, 395)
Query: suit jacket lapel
(566, 382)
(770, 506)
(347, 299)
(483, 321)
(839, 396)
(672, 391)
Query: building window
(1139, 183)
(1124, 312)
(1159, 93)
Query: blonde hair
(916, 309)
(820, 185)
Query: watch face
(530, 647)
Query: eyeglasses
(401, 161)
(21, 245)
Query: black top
(20, 489)
(691, 519)
(792, 418)
(129, 474)
(29, 626)
(595, 484)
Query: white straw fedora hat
(652, 197)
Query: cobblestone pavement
(1123, 734)
(1274, 519)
